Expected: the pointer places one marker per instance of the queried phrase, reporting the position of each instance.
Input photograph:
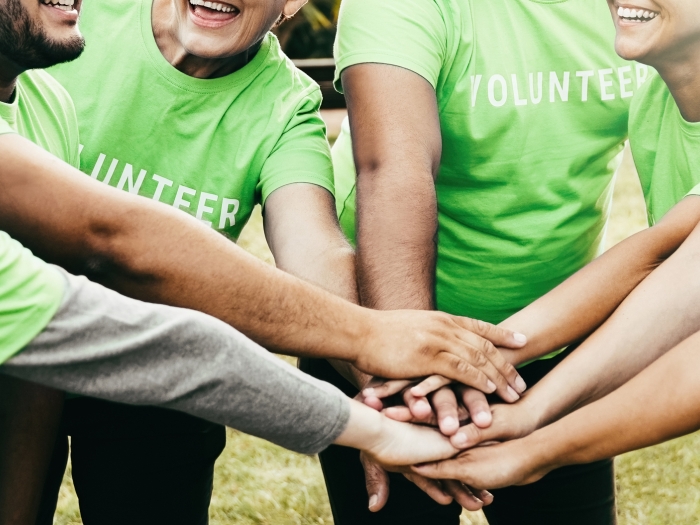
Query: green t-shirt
(533, 104)
(665, 147)
(211, 147)
(30, 290)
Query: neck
(9, 71)
(683, 80)
(164, 25)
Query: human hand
(406, 344)
(447, 407)
(442, 491)
(491, 467)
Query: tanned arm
(304, 236)
(153, 252)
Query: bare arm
(304, 236)
(150, 251)
(584, 301)
(661, 403)
(397, 147)
(660, 313)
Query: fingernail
(513, 393)
(459, 440)
(373, 501)
(482, 418)
(487, 494)
(491, 386)
(368, 392)
(520, 338)
(450, 422)
(520, 384)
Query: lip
(64, 16)
(211, 24)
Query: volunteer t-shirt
(211, 147)
(30, 290)
(533, 104)
(665, 147)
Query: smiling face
(656, 31)
(38, 33)
(226, 28)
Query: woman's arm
(661, 403)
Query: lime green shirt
(665, 147)
(210, 147)
(30, 290)
(533, 104)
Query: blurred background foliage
(310, 34)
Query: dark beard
(26, 44)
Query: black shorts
(134, 465)
(575, 495)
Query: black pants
(576, 495)
(134, 465)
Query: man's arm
(304, 236)
(397, 147)
(150, 251)
(661, 403)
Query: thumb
(377, 483)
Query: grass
(260, 484)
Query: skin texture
(30, 410)
(397, 143)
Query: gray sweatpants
(104, 345)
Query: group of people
(438, 272)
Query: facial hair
(26, 44)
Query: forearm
(583, 302)
(657, 315)
(67, 218)
(661, 403)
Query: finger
(386, 389)
(483, 495)
(429, 385)
(462, 495)
(419, 406)
(447, 469)
(471, 435)
(457, 368)
(445, 405)
(485, 357)
(377, 483)
(431, 487)
(477, 406)
(499, 336)
(403, 414)
(374, 402)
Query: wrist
(364, 430)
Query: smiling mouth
(212, 8)
(636, 15)
(63, 5)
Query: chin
(630, 49)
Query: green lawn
(259, 483)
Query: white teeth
(216, 6)
(63, 5)
(638, 15)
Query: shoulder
(649, 102)
(286, 84)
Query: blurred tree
(310, 34)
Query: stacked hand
(463, 414)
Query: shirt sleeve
(694, 191)
(5, 128)
(302, 154)
(406, 33)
